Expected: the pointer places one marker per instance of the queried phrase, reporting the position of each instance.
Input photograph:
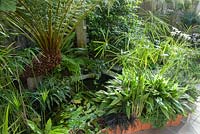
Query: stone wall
(179, 15)
(163, 5)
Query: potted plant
(146, 100)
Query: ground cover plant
(132, 68)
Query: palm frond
(52, 30)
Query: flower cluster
(194, 38)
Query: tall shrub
(112, 21)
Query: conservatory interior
(99, 67)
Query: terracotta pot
(175, 122)
(139, 126)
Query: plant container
(139, 126)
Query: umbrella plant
(49, 28)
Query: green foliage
(34, 127)
(80, 119)
(72, 64)
(155, 28)
(149, 97)
(51, 92)
(159, 52)
(5, 70)
(190, 18)
(3, 33)
(122, 95)
(164, 101)
(111, 23)
(157, 71)
(181, 64)
(49, 129)
(16, 124)
(150, 80)
(5, 125)
(8, 5)
(37, 106)
(8, 126)
(10, 91)
(49, 33)
(11, 64)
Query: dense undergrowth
(133, 68)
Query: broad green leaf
(59, 131)
(165, 112)
(5, 125)
(48, 126)
(34, 127)
(128, 110)
(115, 101)
(178, 105)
